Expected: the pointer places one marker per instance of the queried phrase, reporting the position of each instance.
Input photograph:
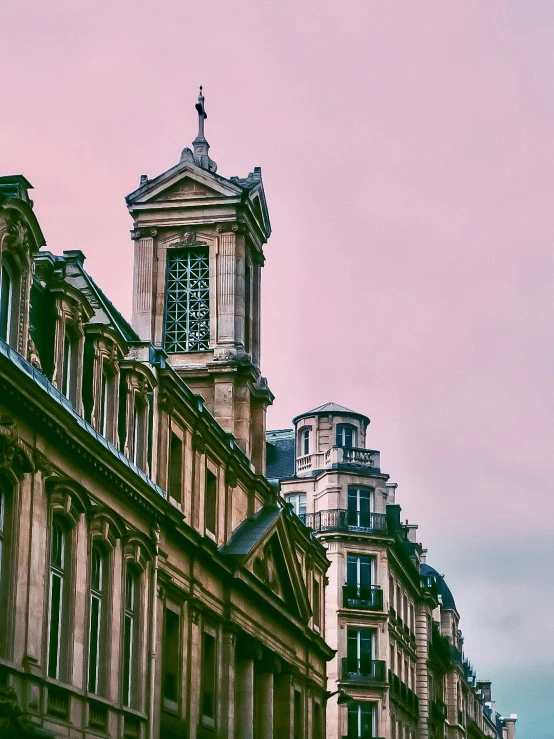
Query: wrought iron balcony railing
(365, 598)
(402, 693)
(340, 519)
(363, 670)
(438, 711)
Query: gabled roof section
(263, 546)
(69, 269)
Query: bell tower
(198, 255)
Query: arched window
(130, 636)
(346, 435)
(187, 312)
(97, 619)
(57, 610)
(6, 301)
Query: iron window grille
(187, 315)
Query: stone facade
(399, 671)
(152, 582)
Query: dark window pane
(208, 676)
(95, 613)
(175, 467)
(210, 502)
(56, 593)
(170, 656)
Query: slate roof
(442, 587)
(251, 531)
(280, 454)
(331, 408)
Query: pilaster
(423, 614)
(244, 699)
(143, 277)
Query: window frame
(343, 429)
(211, 632)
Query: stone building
(399, 670)
(152, 582)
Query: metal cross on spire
(202, 115)
(200, 144)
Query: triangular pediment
(264, 547)
(185, 181)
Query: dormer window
(304, 442)
(69, 367)
(6, 301)
(346, 435)
(139, 432)
(187, 315)
(105, 397)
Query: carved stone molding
(165, 402)
(42, 463)
(225, 354)
(143, 233)
(231, 478)
(199, 442)
(14, 457)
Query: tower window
(346, 435)
(298, 502)
(304, 442)
(187, 316)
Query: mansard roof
(443, 589)
(280, 454)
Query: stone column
(264, 705)
(422, 674)
(244, 699)
(284, 711)
(227, 722)
(142, 287)
(226, 289)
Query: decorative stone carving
(14, 457)
(165, 402)
(198, 442)
(143, 233)
(32, 353)
(225, 354)
(42, 463)
(231, 478)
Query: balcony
(338, 456)
(368, 598)
(403, 695)
(438, 712)
(363, 671)
(363, 735)
(340, 519)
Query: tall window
(317, 723)
(359, 571)
(105, 410)
(69, 366)
(208, 675)
(96, 633)
(304, 442)
(210, 502)
(139, 432)
(346, 435)
(360, 507)
(170, 659)
(187, 315)
(361, 720)
(130, 636)
(298, 715)
(298, 502)
(316, 605)
(58, 571)
(6, 296)
(2, 541)
(359, 649)
(175, 471)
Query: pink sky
(407, 150)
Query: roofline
(331, 413)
